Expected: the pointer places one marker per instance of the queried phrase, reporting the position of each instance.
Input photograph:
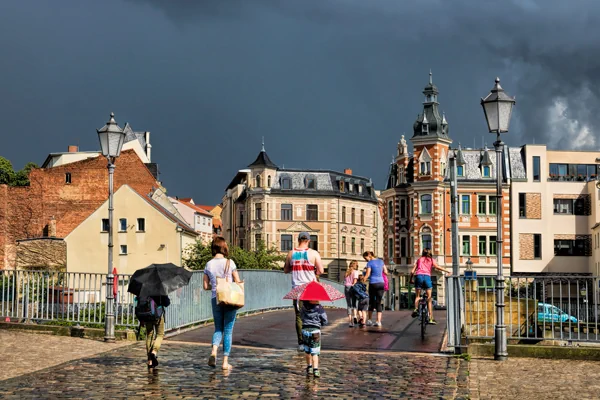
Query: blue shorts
(423, 282)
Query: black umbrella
(158, 280)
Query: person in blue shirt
(375, 270)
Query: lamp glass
(490, 109)
(504, 111)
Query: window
(482, 245)
(269, 181)
(343, 244)
(343, 214)
(426, 204)
(390, 209)
(123, 225)
(443, 168)
(466, 245)
(123, 249)
(374, 218)
(362, 246)
(257, 240)
(362, 217)
(286, 212)
(465, 204)
(68, 177)
(402, 247)
(572, 172)
(286, 242)
(425, 168)
(536, 168)
(258, 182)
(426, 241)
(412, 207)
(286, 183)
(258, 211)
(314, 242)
(241, 219)
(537, 246)
(241, 243)
(575, 247)
(360, 189)
(486, 171)
(522, 208)
(310, 183)
(141, 224)
(350, 188)
(312, 212)
(390, 248)
(341, 186)
(353, 215)
(105, 225)
(353, 246)
(460, 170)
(569, 206)
(492, 246)
(482, 205)
(402, 208)
(492, 205)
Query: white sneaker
(300, 347)
(369, 323)
(377, 324)
(351, 325)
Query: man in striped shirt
(305, 265)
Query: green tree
(21, 178)
(7, 173)
(199, 254)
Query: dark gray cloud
(329, 83)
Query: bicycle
(423, 313)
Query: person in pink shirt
(349, 280)
(422, 272)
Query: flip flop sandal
(229, 367)
(212, 361)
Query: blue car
(549, 313)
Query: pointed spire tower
(262, 170)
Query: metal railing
(536, 308)
(80, 297)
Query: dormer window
(350, 188)
(460, 170)
(360, 189)
(485, 171)
(341, 186)
(310, 183)
(425, 129)
(286, 183)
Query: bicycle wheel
(424, 320)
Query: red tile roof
(196, 208)
(167, 214)
(207, 208)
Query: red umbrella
(315, 291)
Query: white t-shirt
(215, 268)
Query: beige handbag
(230, 294)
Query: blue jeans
(224, 320)
(423, 282)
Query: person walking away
(350, 279)
(422, 272)
(305, 265)
(155, 330)
(362, 299)
(375, 270)
(224, 317)
(313, 317)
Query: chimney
(348, 171)
(52, 227)
(73, 149)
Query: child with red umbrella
(313, 318)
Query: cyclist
(422, 272)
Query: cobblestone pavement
(532, 378)
(23, 352)
(183, 373)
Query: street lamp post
(497, 107)
(111, 141)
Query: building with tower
(269, 204)
(417, 200)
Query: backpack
(147, 310)
(359, 292)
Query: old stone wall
(43, 253)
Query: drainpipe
(180, 231)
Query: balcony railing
(572, 178)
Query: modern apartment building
(555, 213)
(273, 205)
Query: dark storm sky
(330, 84)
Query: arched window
(269, 181)
(258, 182)
(426, 238)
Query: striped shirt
(303, 271)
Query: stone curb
(485, 350)
(74, 331)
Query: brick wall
(526, 246)
(533, 205)
(26, 211)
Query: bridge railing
(79, 298)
